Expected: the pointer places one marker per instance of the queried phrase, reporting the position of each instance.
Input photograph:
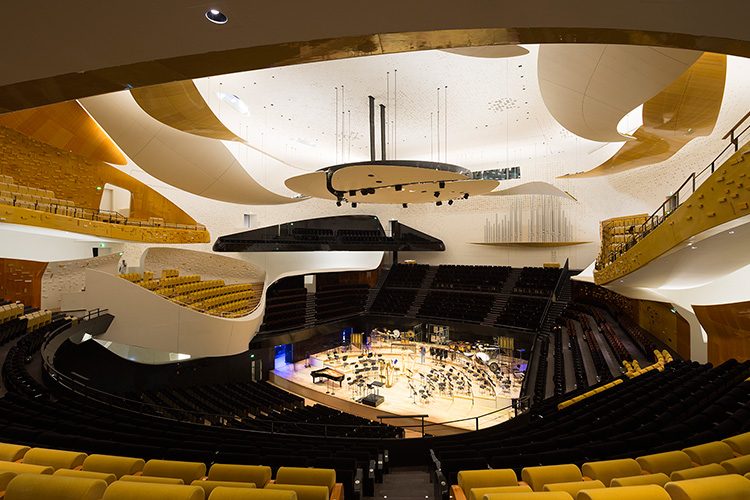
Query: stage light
(398, 187)
(338, 203)
(450, 202)
(441, 184)
(437, 193)
(438, 203)
(405, 205)
(354, 204)
(352, 192)
(364, 192)
(466, 196)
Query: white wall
(69, 276)
(47, 245)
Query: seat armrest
(441, 487)
(358, 479)
(337, 493)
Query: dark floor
(405, 483)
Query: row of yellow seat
(37, 319)
(55, 474)
(215, 292)
(217, 302)
(185, 279)
(197, 287)
(169, 273)
(240, 307)
(10, 311)
(718, 470)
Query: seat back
(666, 462)
(119, 466)
(187, 471)
(534, 495)
(739, 465)
(485, 478)
(57, 459)
(659, 479)
(12, 452)
(537, 477)
(728, 487)
(479, 493)
(49, 487)
(26, 468)
(647, 492)
(153, 479)
(222, 493)
(303, 491)
(710, 453)
(740, 443)
(127, 490)
(257, 474)
(299, 475)
(208, 486)
(695, 472)
(574, 487)
(107, 478)
(606, 470)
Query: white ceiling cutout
(590, 88)
(532, 188)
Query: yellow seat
(479, 493)
(659, 479)
(209, 486)
(740, 443)
(303, 491)
(647, 492)
(187, 471)
(12, 452)
(666, 462)
(695, 472)
(537, 477)
(739, 465)
(310, 477)
(26, 468)
(606, 470)
(48, 487)
(727, 487)
(57, 459)
(710, 453)
(222, 493)
(176, 481)
(257, 474)
(484, 478)
(534, 495)
(119, 466)
(5, 477)
(574, 487)
(126, 490)
(107, 478)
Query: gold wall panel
(180, 105)
(66, 126)
(28, 217)
(723, 197)
(74, 177)
(686, 109)
(728, 330)
(65, 87)
(672, 329)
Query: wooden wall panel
(728, 329)
(21, 280)
(658, 319)
(370, 278)
(74, 177)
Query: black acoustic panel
(341, 233)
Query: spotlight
(216, 16)
(438, 203)
(398, 187)
(371, 190)
(437, 193)
(450, 202)
(441, 184)
(466, 196)
(352, 192)
(364, 192)
(405, 205)
(338, 203)
(354, 204)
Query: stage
(452, 387)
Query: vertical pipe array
(372, 127)
(382, 132)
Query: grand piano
(328, 373)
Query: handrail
(674, 201)
(103, 215)
(432, 424)
(553, 296)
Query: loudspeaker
(373, 400)
(95, 251)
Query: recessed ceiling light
(216, 16)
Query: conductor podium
(373, 398)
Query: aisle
(405, 483)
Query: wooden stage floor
(418, 388)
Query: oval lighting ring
(216, 16)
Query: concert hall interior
(296, 250)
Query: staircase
(502, 298)
(406, 483)
(310, 310)
(373, 293)
(424, 289)
(559, 305)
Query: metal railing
(553, 297)
(676, 198)
(97, 215)
(424, 425)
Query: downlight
(216, 17)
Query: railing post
(422, 426)
(477, 423)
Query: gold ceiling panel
(181, 106)
(66, 126)
(686, 109)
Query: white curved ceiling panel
(589, 88)
(199, 165)
(531, 188)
